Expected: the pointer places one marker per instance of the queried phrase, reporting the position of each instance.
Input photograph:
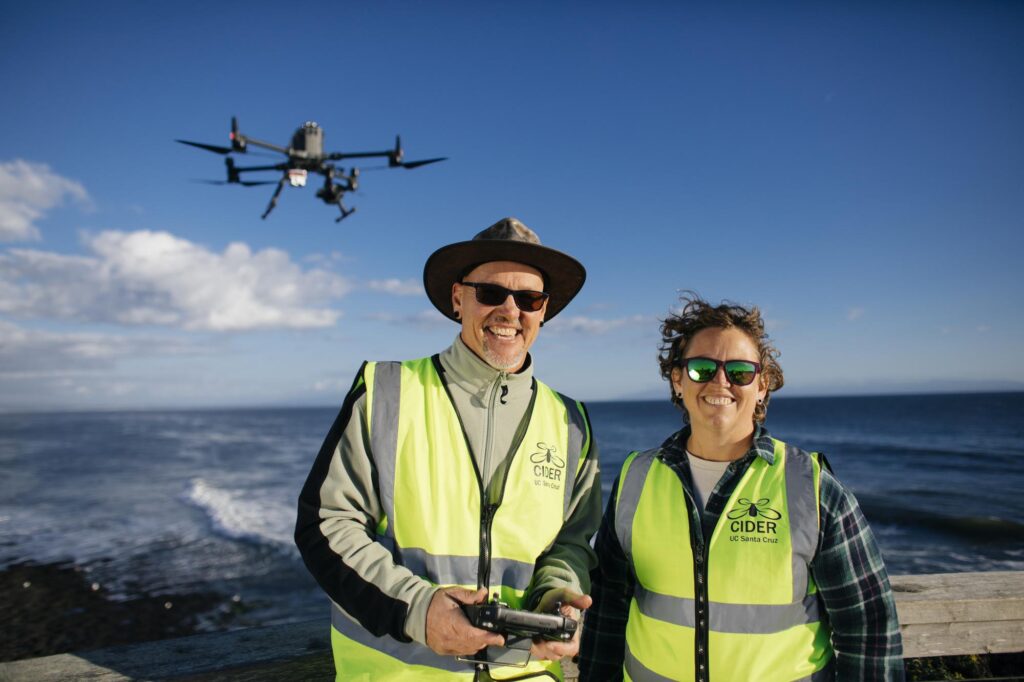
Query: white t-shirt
(706, 475)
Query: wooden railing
(949, 614)
(941, 615)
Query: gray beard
(498, 363)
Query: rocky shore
(57, 608)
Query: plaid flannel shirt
(847, 568)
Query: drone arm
(278, 166)
(277, 193)
(266, 145)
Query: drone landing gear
(345, 212)
(277, 193)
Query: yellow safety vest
(745, 607)
(438, 521)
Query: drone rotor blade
(424, 162)
(208, 147)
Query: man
(451, 478)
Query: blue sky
(856, 170)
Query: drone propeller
(408, 165)
(424, 162)
(209, 147)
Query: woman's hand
(572, 604)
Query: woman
(726, 554)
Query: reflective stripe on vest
(430, 493)
(635, 671)
(762, 616)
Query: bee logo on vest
(754, 521)
(547, 466)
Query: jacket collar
(463, 367)
(763, 445)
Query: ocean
(198, 501)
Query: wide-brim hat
(508, 239)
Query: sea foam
(242, 515)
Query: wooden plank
(318, 666)
(951, 614)
(959, 597)
(955, 639)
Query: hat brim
(563, 275)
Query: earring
(760, 401)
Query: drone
(305, 155)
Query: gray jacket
(339, 507)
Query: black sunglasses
(526, 300)
(739, 372)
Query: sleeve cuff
(416, 618)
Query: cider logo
(754, 509)
(754, 517)
(547, 466)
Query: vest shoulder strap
(823, 461)
(632, 478)
(579, 429)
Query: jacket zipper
(700, 571)
(699, 551)
(488, 507)
(487, 512)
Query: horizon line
(324, 406)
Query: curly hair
(678, 329)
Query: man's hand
(572, 604)
(449, 633)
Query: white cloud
(425, 318)
(854, 314)
(399, 287)
(27, 192)
(580, 324)
(561, 325)
(147, 277)
(326, 259)
(30, 353)
(332, 385)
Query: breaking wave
(242, 516)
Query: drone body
(305, 155)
